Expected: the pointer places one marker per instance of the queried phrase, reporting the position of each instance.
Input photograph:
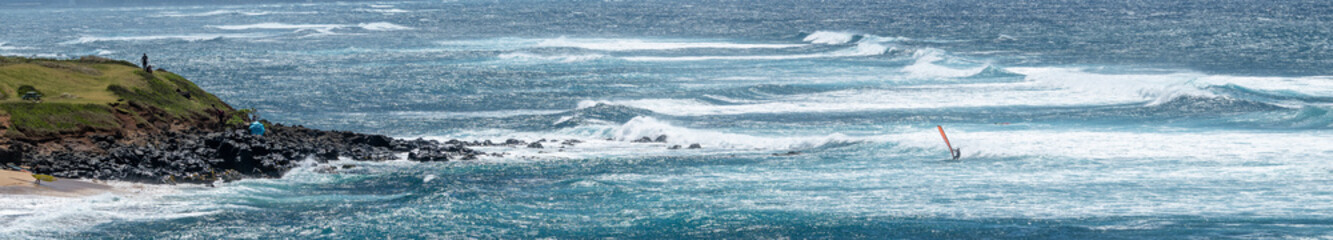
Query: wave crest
(564, 58)
(375, 26)
(640, 127)
(226, 12)
(827, 37)
(190, 38)
(383, 26)
(607, 44)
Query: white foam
(1042, 87)
(5, 46)
(1031, 173)
(495, 44)
(459, 115)
(728, 100)
(566, 58)
(925, 66)
(383, 26)
(375, 26)
(274, 25)
(386, 11)
(827, 37)
(226, 12)
(640, 127)
(613, 44)
(190, 37)
(1117, 88)
(864, 48)
(1124, 145)
(605, 44)
(612, 140)
(1318, 86)
(34, 215)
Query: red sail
(946, 139)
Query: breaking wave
(609, 44)
(926, 66)
(383, 26)
(1040, 87)
(826, 37)
(386, 11)
(6, 46)
(226, 12)
(375, 26)
(860, 50)
(566, 58)
(641, 127)
(865, 45)
(191, 37)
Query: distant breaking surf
(226, 12)
(375, 26)
(610, 44)
(189, 37)
(604, 44)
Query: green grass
(80, 92)
(164, 90)
(49, 118)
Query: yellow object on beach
(44, 177)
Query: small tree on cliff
(238, 118)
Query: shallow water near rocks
(1091, 120)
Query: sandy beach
(15, 182)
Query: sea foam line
(607, 44)
(375, 26)
(869, 45)
(190, 37)
(226, 12)
(1041, 87)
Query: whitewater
(815, 119)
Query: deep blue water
(1076, 119)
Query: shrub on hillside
(240, 117)
(25, 89)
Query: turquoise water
(1092, 120)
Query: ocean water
(1076, 119)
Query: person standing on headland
(222, 117)
(145, 63)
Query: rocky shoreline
(207, 156)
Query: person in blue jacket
(257, 128)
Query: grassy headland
(93, 94)
(110, 120)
